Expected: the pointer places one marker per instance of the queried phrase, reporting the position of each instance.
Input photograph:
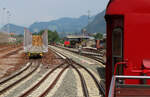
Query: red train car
(128, 49)
(67, 43)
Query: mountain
(65, 25)
(13, 28)
(98, 24)
(62, 25)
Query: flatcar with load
(35, 45)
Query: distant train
(35, 45)
(75, 41)
(66, 43)
(71, 43)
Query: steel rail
(40, 82)
(16, 82)
(95, 58)
(84, 86)
(4, 48)
(86, 55)
(14, 74)
(99, 85)
(53, 83)
(12, 52)
(83, 83)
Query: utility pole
(8, 17)
(3, 15)
(89, 13)
(84, 31)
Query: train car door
(115, 33)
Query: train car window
(117, 42)
(117, 47)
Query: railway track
(100, 86)
(44, 85)
(94, 50)
(4, 48)
(45, 80)
(11, 81)
(86, 84)
(96, 55)
(4, 80)
(10, 52)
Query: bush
(52, 36)
(98, 36)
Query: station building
(77, 40)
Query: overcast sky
(26, 12)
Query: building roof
(78, 36)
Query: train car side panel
(136, 45)
(136, 34)
(45, 41)
(27, 40)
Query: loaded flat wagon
(35, 45)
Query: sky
(26, 12)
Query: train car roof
(122, 7)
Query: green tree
(98, 36)
(35, 33)
(20, 35)
(52, 36)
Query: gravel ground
(68, 87)
(51, 58)
(15, 61)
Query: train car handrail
(119, 63)
(131, 77)
(112, 87)
(115, 77)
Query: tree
(35, 33)
(98, 36)
(52, 36)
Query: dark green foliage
(61, 41)
(35, 33)
(98, 36)
(52, 36)
(20, 35)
